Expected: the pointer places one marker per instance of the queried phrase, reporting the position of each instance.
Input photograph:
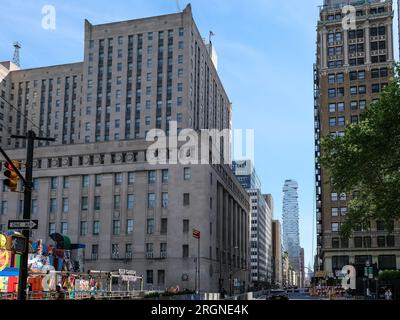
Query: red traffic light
(12, 177)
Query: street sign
(23, 224)
(196, 234)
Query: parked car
(277, 295)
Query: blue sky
(266, 52)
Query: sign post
(23, 224)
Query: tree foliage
(366, 160)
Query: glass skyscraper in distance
(291, 235)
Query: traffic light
(12, 177)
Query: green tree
(365, 162)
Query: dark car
(277, 295)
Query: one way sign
(23, 224)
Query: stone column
(389, 42)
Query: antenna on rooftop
(15, 60)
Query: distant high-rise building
(301, 269)
(246, 174)
(261, 207)
(276, 253)
(353, 67)
(291, 234)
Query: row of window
(355, 90)
(150, 37)
(357, 61)
(356, 34)
(118, 179)
(359, 13)
(364, 242)
(116, 227)
(357, 75)
(341, 121)
(341, 106)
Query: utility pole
(28, 185)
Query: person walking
(388, 294)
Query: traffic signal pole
(28, 184)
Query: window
(358, 242)
(65, 205)
(96, 228)
(97, 203)
(150, 226)
(35, 184)
(390, 241)
(353, 75)
(97, 179)
(83, 229)
(341, 121)
(4, 207)
(186, 199)
(354, 105)
(131, 178)
(185, 251)
(335, 212)
(367, 242)
(164, 226)
(65, 182)
(335, 227)
(115, 251)
(165, 176)
(85, 181)
(335, 243)
(343, 197)
(117, 202)
(128, 251)
(64, 228)
(35, 207)
(54, 183)
(353, 91)
(361, 75)
(95, 251)
(52, 228)
(354, 119)
(116, 227)
(387, 262)
(53, 205)
(362, 89)
(185, 226)
(381, 240)
(151, 177)
(332, 122)
(118, 179)
(129, 226)
(341, 107)
(340, 78)
(164, 200)
(131, 201)
(332, 107)
(151, 199)
(180, 45)
(362, 104)
(149, 277)
(375, 88)
(84, 204)
(343, 211)
(331, 78)
(332, 93)
(187, 174)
